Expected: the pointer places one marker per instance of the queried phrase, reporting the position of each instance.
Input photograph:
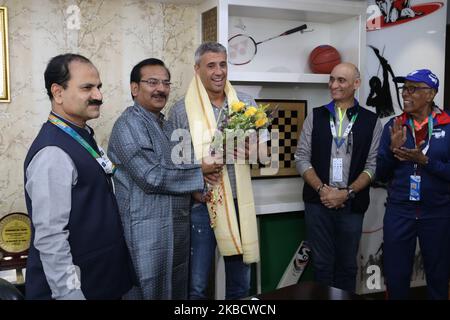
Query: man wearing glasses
(414, 158)
(153, 192)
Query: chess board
(289, 123)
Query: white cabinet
(338, 23)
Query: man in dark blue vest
(77, 250)
(336, 156)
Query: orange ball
(323, 59)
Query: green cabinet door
(280, 235)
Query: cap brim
(399, 79)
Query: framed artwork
(4, 56)
(289, 122)
(209, 25)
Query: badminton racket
(242, 48)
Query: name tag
(337, 169)
(414, 188)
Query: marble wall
(114, 34)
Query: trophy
(15, 234)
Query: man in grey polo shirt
(336, 156)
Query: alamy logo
(73, 17)
(182, 152)
(73, 280)
(374, 280)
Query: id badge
(337, 169)
(414, 188)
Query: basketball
(323, 59)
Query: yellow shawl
(202, 124)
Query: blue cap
(422, 75)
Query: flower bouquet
(242, 121)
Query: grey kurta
(154, 202)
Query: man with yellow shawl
(230, 222)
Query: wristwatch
(320, 188)
(350, 193)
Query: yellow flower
(250, 112)
(260, 114)
(237, 106)
(260, 122)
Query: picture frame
(5, 95)
(289, 121)
(209, 25)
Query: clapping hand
(415, 155)
(398, 134)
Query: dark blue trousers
(334, 237)
(401, 230)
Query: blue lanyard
(340, 140)
(101, 158)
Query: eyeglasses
(412, 89)
(152, 82)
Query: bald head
(348, 68)
(344, 81)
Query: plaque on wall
(15, 236)
(209, 25)
(5, 91)
(289, 122)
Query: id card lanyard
(430, 133)
(102, 158)
(340, 140)
(337, 163)
(415, 180)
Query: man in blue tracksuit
(414, 158)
